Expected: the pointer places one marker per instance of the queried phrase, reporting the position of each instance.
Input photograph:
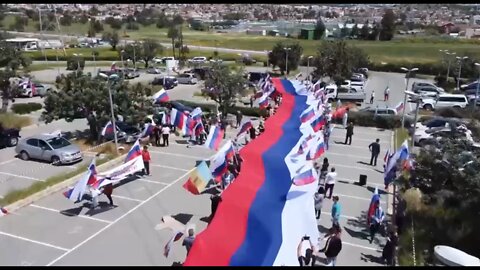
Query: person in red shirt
(108, 190)
(146, 160)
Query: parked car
(170, 81)
(198, 60)
(153, 70)
(51, 148)
(126, 132)
(469, 86)
(187, 78)
(40, 90)
(350, 94)
(427, 90)
(200, 73)
(9, 136)
(379, 111)
(423, 137)
(255, 76)
(444, 101)
(131, 74)
(357, 83)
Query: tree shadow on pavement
(380, 191)
(370, 258)
(183, 218)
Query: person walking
(227, 179)
(188, 241)
(336, 209)
(239, 118)
(345, 118)
(326, 134)
(376, 220)
(324, 171)
(372, 97)
(389, 248)
(146, 160)
(108, 190)
(348, 137)
(216, 199)
(231, 167)
(223, 126)
(330, 182)
(386, 93)
(156, 131)
(165, 134)
(375, 149)
(333, 246)
(318, 197)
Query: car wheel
(13, 142)
(24, 155)
(428, 107)
(55, 161)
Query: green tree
(337, 60)
(319, 31)
(278, 55)
(178, 20)
(112, 37)
(365, 31)
(224, 86)
(388, 25)
(7, 88)
(132, 51)
(355, 31)
(19, 24)
(174, 34)
(162, 21)
(114, 23)
(83, 19)
(66, 19)
(344, 32)
(149, 49)
(86, 97)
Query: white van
(445, 101)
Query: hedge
(26, 108)
(255, 112)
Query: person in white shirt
(330, 182)
(165, 134)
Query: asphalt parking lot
(350, 161)
(54, 231)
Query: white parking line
(119, 218)
(34, 241)
(21, 176)
(168, 167)
(360, 246)
(81, 216)
(354, 167)
(7, 161)
(153, 182)
(126, 198)
(177, 155)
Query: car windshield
(58, 142)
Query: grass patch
(11, 120)
(26, 108)
(20, 194)
(400, 135)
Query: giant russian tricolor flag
(214, 137)
(263, 215)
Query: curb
(55, 188)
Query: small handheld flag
(198, 179)
(134, 152)
(160, 96)
(304, 178)
(214, 138)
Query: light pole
(121, 59)
(112, 78)
(449, 62)
(58, 66)
(308, 68)
(267, 53)
(134, 57)
(286, 60)
(94, 63)
(476, 92)
(460, 62)
(77, 55)
(406, 89)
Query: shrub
(368, 120)
(255, 112)
(72, 63)
(26, 108)
(10, 120)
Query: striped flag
(198, 179)
(75, 193)
(307, 115)
(318, 123)
(175, 237)
(371, 209)
(387, 156)
(196, 114)
(147, 130)
(263, 101)
(199, 128)
(317, 150)
(177, 118)
(214, 137)
(160, 96)
(134, 152)
(246, 125)
(304, 178)
(108, 129)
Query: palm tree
(173, 33)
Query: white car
(198, 60)
(444, 101)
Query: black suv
(9, 136)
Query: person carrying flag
(188, 241)
(239, 117)
(146, 160)
(108, 190)
(376, 220)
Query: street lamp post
(286, 60)
(94, 63)
(267, 53)
(449, 61)
(308, 68)
(460, 62)
(478, 86)
(406, 89)
(110, 80)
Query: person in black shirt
(232, 168)
(307, 259)
(253, 133)
(348, 138)
(375, 149)
(324, 169)
(333, 246)
(389, 249)
(216, 199)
